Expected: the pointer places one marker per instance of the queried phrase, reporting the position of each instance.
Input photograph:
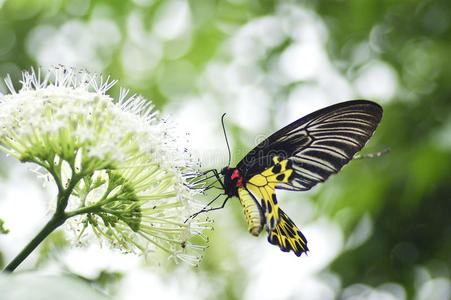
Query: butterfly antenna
(227, 141)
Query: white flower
(118, 168)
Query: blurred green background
(380, 229)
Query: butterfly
(295, 158)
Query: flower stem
(52, 224)
(83, 210)
(58, 218)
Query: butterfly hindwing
(287, 236)
(281, 229)
(263, 188)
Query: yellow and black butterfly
(296, 158)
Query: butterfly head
(225, 171)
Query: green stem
(59, 217)
(55, 222)
(83, 210)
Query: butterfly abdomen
(252, 211)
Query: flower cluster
(119, 169)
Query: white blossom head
(119, 169)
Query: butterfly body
(296, 158)
(233, 187)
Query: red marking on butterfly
(236, 174)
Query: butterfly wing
(262, 186)
(281, 229)
(317, 145)
(287, 236)
(302, 154)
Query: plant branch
(52, 224)
(58, 218)
(83, 210)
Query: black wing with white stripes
(317, 145)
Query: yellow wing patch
(287, 236)
(262, 187)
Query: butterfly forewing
(318, 145)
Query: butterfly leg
(212, 185)
(203, 210)
(203, 178)
(218, 178)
